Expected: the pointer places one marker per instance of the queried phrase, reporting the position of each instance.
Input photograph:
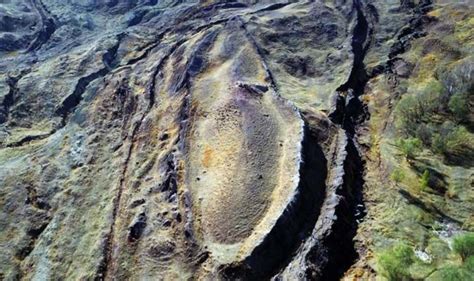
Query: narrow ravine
(349, 114)
(296, 223)
(70, 103)
(47, 27)
(9, 98)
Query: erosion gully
(349, 113)
(338, 247)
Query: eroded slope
(207, 140)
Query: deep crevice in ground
(350, 112)
(72, 101)
(341, 252)
(48, 26)
(296, 223)
(9, 98)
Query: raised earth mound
(236, 140)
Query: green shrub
(455, 143)
(458, 141)
(463, 245)
(408, 114)
(469, 264)
(410, 147)
(425, 178)
(395, 262)
(438, 144)
(452, 273)
(425, 133)
(417, 108)
(397, 175)
(429, 99)
(458, 104)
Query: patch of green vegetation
(469, 264)
(418, 108)
(425, 178)
(418, 116)
(395, 262)
(400, 263)
(437, 105)
(410, 147)
(463, 272)
(455, 143)
(397, 175)
(435, 133)
(451, 273)
(459, 106)
(464, 246)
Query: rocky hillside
(236, 140)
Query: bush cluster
(464, 246)
(425, 179)
(415, 109)
(397, 175)
(395, 262)
(410, 147)
(437, 120)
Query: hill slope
(251, 140)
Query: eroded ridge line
(106, 268)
